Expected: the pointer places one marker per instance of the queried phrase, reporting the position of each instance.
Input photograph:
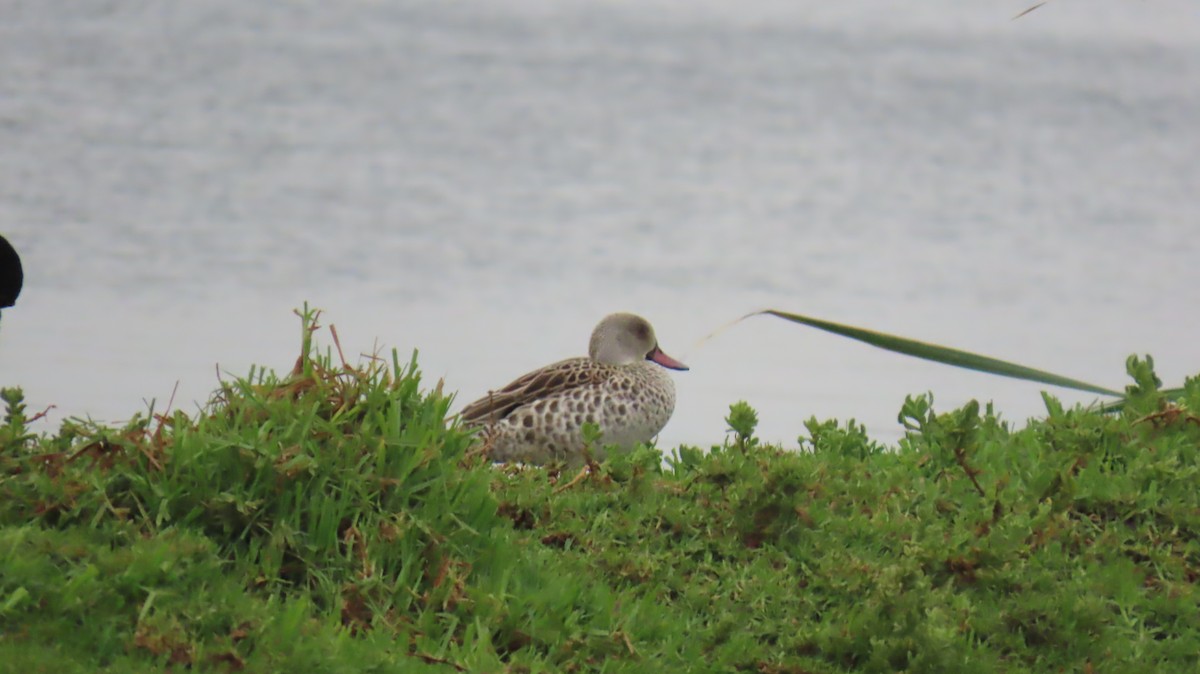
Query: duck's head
(621, 339)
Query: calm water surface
(484, 180)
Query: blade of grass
(1029, 9)
(940, 354)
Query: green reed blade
(941, 354)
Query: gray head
(621, 339)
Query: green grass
(330, 520)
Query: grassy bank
(329, 520)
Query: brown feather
(562, 376)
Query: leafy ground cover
(331, 520)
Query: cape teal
(621, 387)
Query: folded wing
(538, 385)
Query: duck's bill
(663, 359)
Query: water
(485, 180)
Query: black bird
(11, 275)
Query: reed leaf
(940, 354)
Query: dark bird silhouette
(11, 274)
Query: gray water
(484, 180)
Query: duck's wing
(542, 383)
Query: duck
(622, 387)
